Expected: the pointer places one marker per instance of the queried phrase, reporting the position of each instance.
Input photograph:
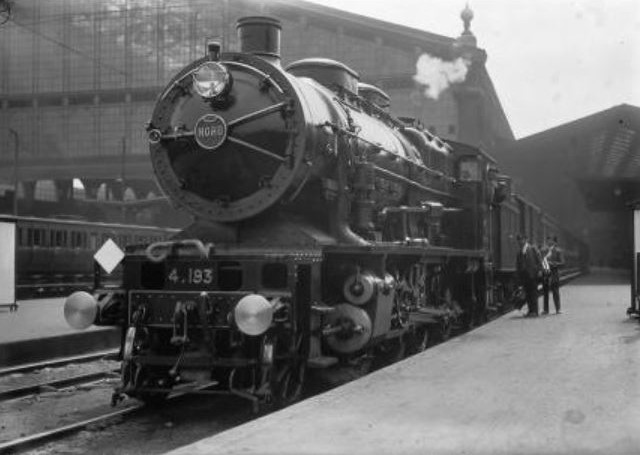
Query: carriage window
(93, 241)
(274, 276)
(36, 237)
(29, 236)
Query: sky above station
(551, 61)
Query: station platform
(557, 384)
(38, 331)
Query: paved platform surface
(558, 384)
(38, 331)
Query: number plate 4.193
(189, 275)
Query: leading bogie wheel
(288, 373)
(136, 378)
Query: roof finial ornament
(467, 16)
(466, 39)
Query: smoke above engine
(435, 75)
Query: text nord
(211, 131)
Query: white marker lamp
(253, 314)
(80, 310)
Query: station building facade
(78, 81)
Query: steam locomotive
(328, 235)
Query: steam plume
(435, 75)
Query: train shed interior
(585, 174)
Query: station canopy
(597, 156)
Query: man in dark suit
(529, 271)
(555, 259)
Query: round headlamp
(253, 314)
(80, 310)
(211, 79)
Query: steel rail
(38, 438)
(31, 389)
(83, 358)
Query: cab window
(469, 170)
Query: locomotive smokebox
(260, 35)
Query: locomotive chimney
(260, 35)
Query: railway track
(45, 436)
(32, 380)
(30, 389)
(110, 354)
(120, 430)
(62, 431)
(27, 387)
(23, 380)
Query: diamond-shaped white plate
(109, 256)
